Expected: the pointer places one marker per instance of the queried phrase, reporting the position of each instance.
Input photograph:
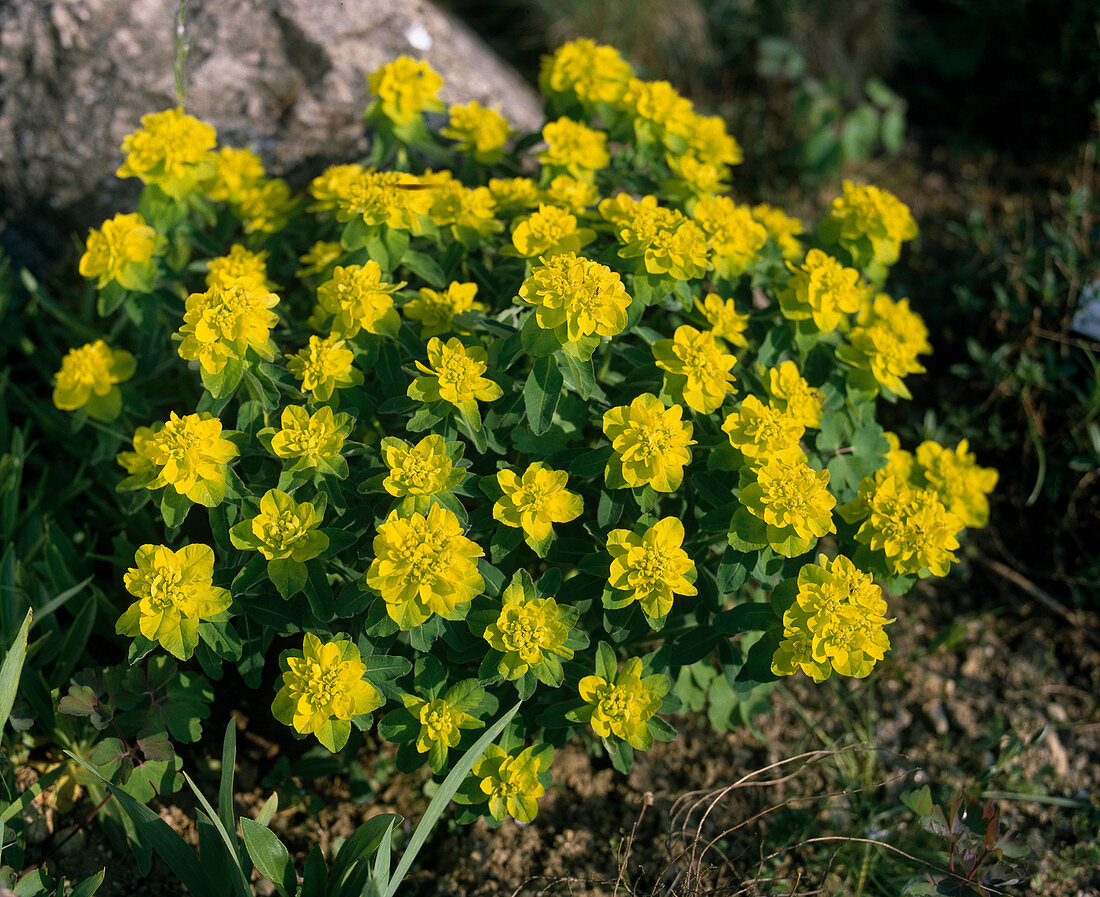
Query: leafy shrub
(488, 417)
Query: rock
(284, 76)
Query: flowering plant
(648, 446)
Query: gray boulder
(286, 77)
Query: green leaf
(225, 785)
(734, 569)
(578, 376)
(748, 533)
(536, 341)
(12, 668)
(230, 842)
(173, 507)
(443, 797)
(607, 666)
(541, 394)
(362, 844)
(169, 845)
(424, 267)
(748, 617)
(289, 576)
(271, 857)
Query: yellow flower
(911, 526)
(697, 370)
(479, 131)
(821, 289)
(877, 351)
(734, 237)
(359, 300)
(725, 320)
(424, 469)
(436, 311)
(692, 180)
(577, 298)
(468, 212)
(323, 689)
(624, 705)
(320, 258)
(512, 784)
(310, 441)
(441, 725)
(650, 568)
(191, 455)
(957, 479)
(235, 170)
(574, 148)
(240, 264)
(455, 376)
(226, 321)
(905, 323)
(139, 463)
(794, 502)
(793, 395)
(782, 228)
(571, 193)
(265, 207)
(175, 593)
(404, 89)
(88, 379)
(761, 432)
(170, 150)
(659, 113)
(122, 250)
(513, 195)
(530, 633)
(392, 198)
(590, 72)
(284, 529)
(870, 223)
(323, 366)
(836, 623)
(549, 231)
(424, 565)
(536, 501)
(666, 241)
(710, 142)
(650, 444)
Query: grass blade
(13, 669)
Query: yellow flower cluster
(764, 432)
(578, 299)
(122, 250)
(423, 565)
(726, 322)
(511, 784)
(650, 444)
(352, 192)
(455, 374)
(171, 150)
(175, 593)
(624, 705)
(650, 568)
(821, 289)
(697, 371)
(782, 229)
(794, 502)
(324, 366)
(574, 148)
(530, 633)
(441, 725)
(550, 231)
(535, 501)
(240, 263)
(870, 223)
(323, 689)
(733, 235)
(467, 211)
(479, 131)
(884, 345)
(836, 623)
(587, 71)
(664, 240)
(284, 529)
(792, 395)
(187, 453)
(227, 320)
(311, 441)
(436, 310)
(88, 379)
(424, 469)
(263, 204)
(357, 299)
(404, 89)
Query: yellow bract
(835, 623)
(794, 502)
(240, 263)
(405, 88)
(651, 568)
(551, 230)
(479, 131)
(323, 689)
(122, 250)
(530, 633)
(284, 529)
(424, 565)
(698, 371)
(357, 299)
(624, 705)
(175, 593)
(536, 501)
(423, 469)
(650, 442)
(511, 784)
(761, 432)
(226, 321)
(436, 310)
(733, 236)
(590, 72)
(725, 320)
(324, 366)
(793, 395)
(307, 439)
(189, 454)
(171, 150)
(88, 379)
(821, 289)
(574, 148)
(454, 374)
